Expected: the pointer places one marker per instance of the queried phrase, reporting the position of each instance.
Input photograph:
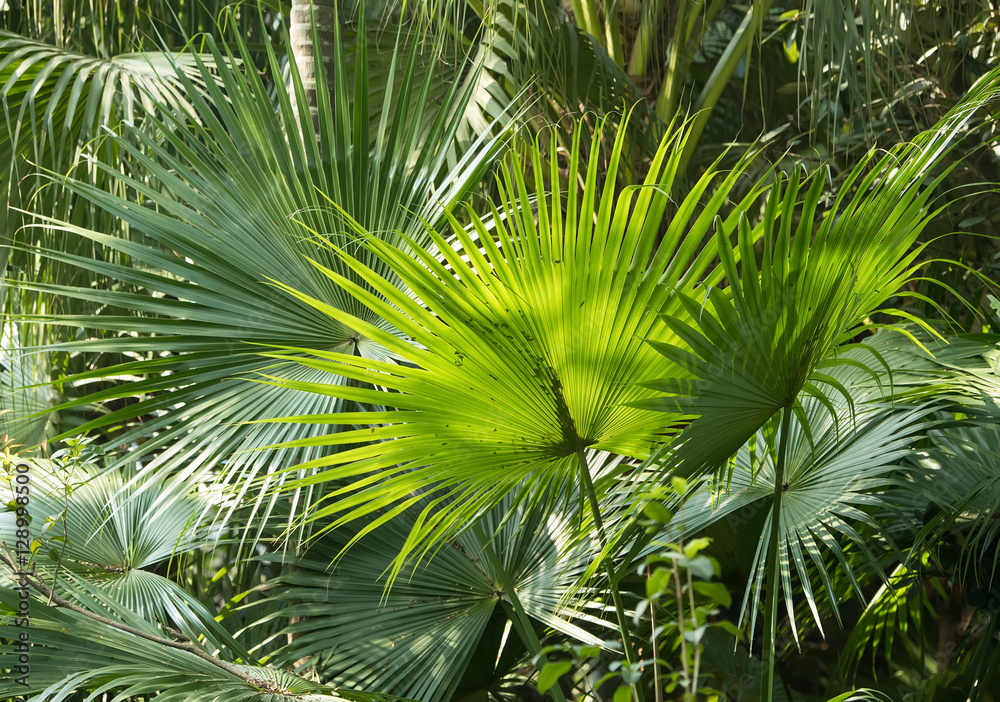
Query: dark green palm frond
(441, 629)
(769, 335)
(72, 652)
(843, 453)
(953, 491)
(893, 614)
(238, 201)
(94, 529)
(946, 502)
(524, 349)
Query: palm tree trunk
(308, 16)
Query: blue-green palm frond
(247, 193)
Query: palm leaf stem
(520, 615)
(613, 578)
(738, 47)
(643, 44)
(187, 646)
(770, 621)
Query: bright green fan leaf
(524, 346)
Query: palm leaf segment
(525, 344)
(105, 534)
(759, 342)
(233, 193)
(438, 633)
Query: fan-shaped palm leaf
(526, 346)
(841, 458)
(112, 536)
(443, 626)
(236, 197)
(767, 336)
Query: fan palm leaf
(841, 466)
(236, 196)
(523, 351)
(443, 626)
(113, 536)
(766, 337)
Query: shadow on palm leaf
(445, 629)
(90, 530)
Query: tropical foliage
(591, 350)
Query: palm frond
(767, 336)
(442, 626)
(93, 530)
(232, 200)
(56, 100)
(523, 350)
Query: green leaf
(551, 672)
(695, 635)
(658, 582)
(657, 512)
(701, 567)
(509, 379)
(716, 592)
(623, 693)
(696, 546)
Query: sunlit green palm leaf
(57, 99)
(525, 349)
(769, 334)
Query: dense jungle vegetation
(611, 350)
